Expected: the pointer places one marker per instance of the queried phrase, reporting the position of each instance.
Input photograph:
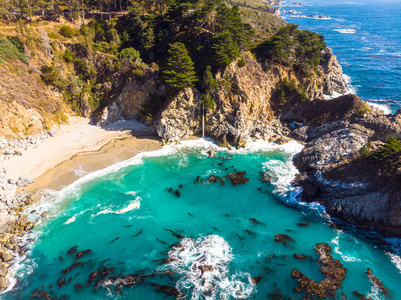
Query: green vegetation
(290, 90)
(52, 76)
(293, 47)
(388, 157)
(8, 50)
(129, 54)
(179, 70)
(68, 31)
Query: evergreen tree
(179, 71)
(225, 50)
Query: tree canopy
(179, 71)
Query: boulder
(24, 181)
(4, 283)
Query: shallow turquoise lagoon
(224, 234)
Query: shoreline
(54, 165)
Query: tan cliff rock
(242, 103)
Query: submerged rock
(237, 178)
(360, 296)
(283, 238)
(377, 282)
(332, 269)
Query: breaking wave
(204, 267)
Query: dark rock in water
(306, 224)
(300, 256)
(210, 153)
(196, 179)
(276, 294)
(332, 269)
(265, 177)
(160, 241)
(213, 178)
(177, 193)
(251, 233)
(103, 274)
(60, 258)
(201, 181)
(360, 296)
(177, 235)
(257, 279)
(283, 238)
(82, 253)
(378, 283)
(256, 222)
(237, 178)
(40, 294)
(138, 233)
(206, 268)
(130, 280)
(169, 290)
(181, 186)
(74, 265)
(92, 277)
(72, 250)
(78, 286)
(114, 240)
(61, 282)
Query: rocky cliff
(243, 101)
(334, 172)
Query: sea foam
(204, 268)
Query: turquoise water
(366, 38)
(122, 214)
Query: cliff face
(243, 102)
(334, 173)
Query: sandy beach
(78, 148)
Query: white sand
(70, 139)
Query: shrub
(52, 76)
(8, 51)
(242, 62)
(388, 157)
(68, 31)
(68, 56)
(129, 54)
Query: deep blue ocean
(366, 38)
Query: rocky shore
(335, 172)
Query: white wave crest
(382, 107)
(203, 264)
(395, 259)
(131, 206)
(70, 220)
(346, 31)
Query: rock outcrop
(334, 81)
(334, 173)
(181, 116)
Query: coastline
(53, 164)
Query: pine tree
(225, 50)
(179, 71)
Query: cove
(208, 241)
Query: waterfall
(203, 119)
